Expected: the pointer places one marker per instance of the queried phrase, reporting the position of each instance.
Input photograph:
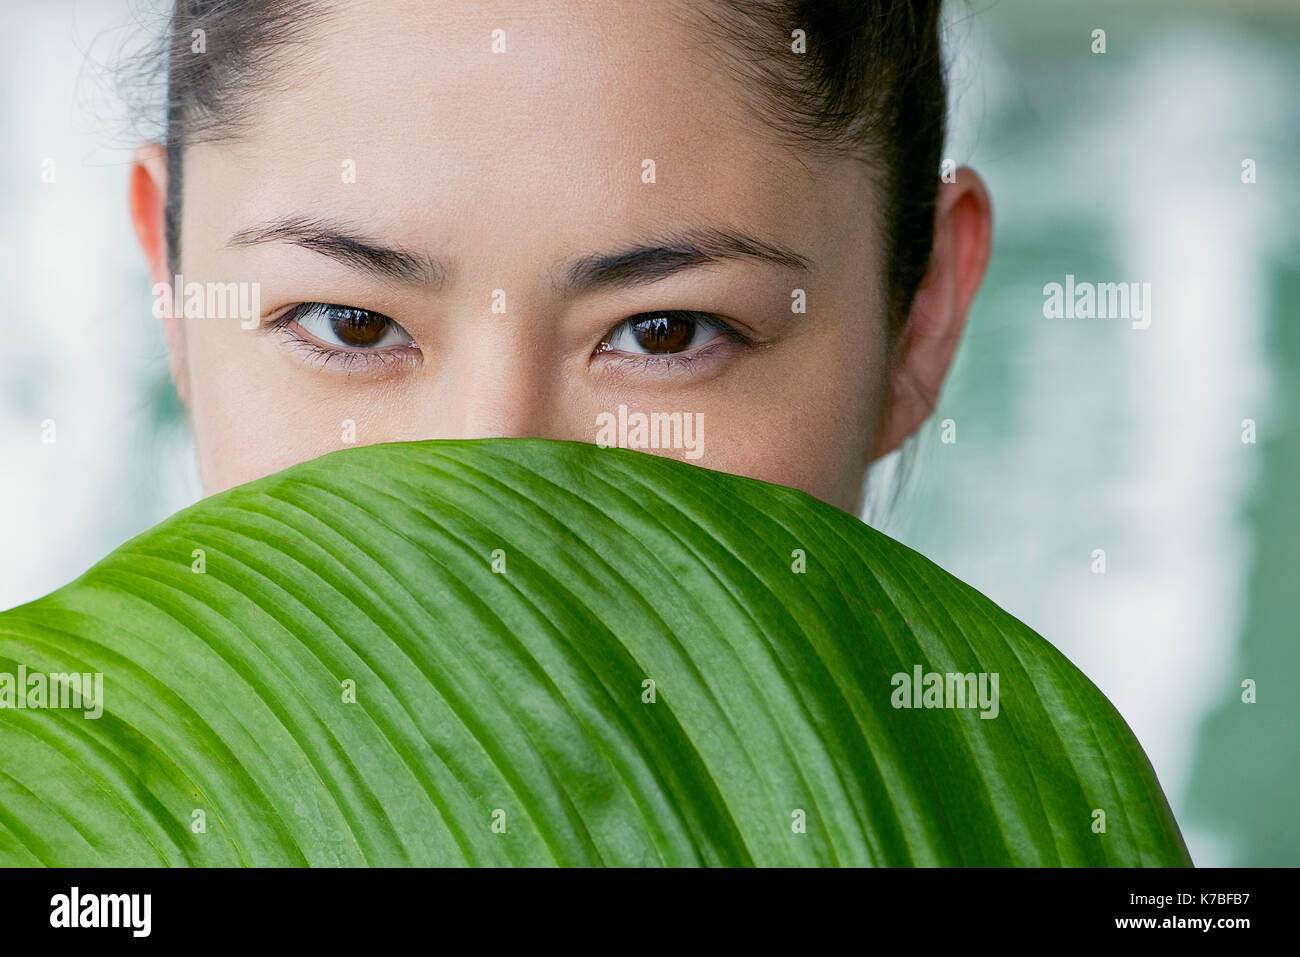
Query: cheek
(249, 418)
(809, 425)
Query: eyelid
(303, 310)
(322, 353)
(706, 319)
(712, 320)
(712, 353)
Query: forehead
(459, 116)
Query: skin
(506, 168)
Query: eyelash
(687, 359)
(345, 358)
(664, 363)
(322, 354)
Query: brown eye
(347, 328)
(667, 334)
(664, 333)
(359, 328)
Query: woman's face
(479, 227)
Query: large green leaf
(518, 697)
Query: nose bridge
(495, 379)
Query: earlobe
(147, 197)
(958, 261)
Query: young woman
(513, 217)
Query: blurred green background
(1071, 435)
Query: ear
(147, 196)
(962, 237)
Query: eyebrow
(684, 249)
(348, 248)
(641, 264)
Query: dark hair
(869, 83)
(207, 92)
